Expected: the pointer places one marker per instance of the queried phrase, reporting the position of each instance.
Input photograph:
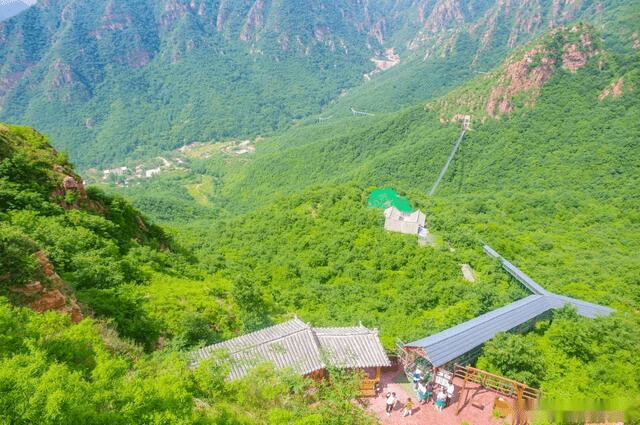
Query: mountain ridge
(237, 69)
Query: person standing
(429, 391)
(440, 399)
(422, 392)
(408, 407)
(391, 401)
(417, 376)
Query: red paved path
(427, 414)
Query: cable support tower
(321, 119)
(354, 112)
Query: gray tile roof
(352, 347)
(297, 345)
(458, 340)
(398, 221)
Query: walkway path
(427, 414)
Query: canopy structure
(387, 197)
(584, 308)
(304, 348)
(465, 340)
(452, 343)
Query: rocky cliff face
(521, 77)
(55, 295)
(490, 24)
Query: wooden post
(467, 374)
(518, 412)
(503, 385)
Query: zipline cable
(444, 169)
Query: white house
(151, 173)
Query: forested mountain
(117, 353)
(60, 238)
(257, 231)
(546, 175)
(110, 79)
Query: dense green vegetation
(236, 103)
(146, 304)
(287, 230)
(572, 355)
(56, 372)
(324, 255)
(553, 189)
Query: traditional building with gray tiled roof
(303, 348)
(398, 221)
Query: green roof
(387, 197)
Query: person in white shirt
(417, 376)
(440, 400)
(450, 389)
(391, 401)
(422, 392)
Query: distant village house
(151, 173)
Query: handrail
(500, 384)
